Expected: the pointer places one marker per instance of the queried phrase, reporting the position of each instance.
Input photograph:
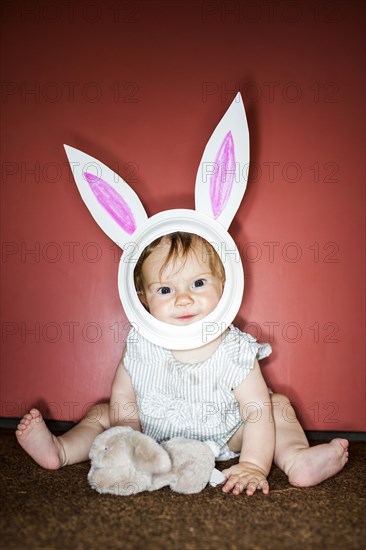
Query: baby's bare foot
(315, 464)
(36, 439)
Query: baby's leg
(53, 452)
(305, 466)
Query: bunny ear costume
(220, 185)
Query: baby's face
(186, 291)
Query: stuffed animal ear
(223, 171)
(113, 204)
(151, 457)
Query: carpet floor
(57, 510)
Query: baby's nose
(183, 299)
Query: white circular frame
(201, 332)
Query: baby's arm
(258, 439)
(123, 407)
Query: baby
(215, 392)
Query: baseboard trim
(62, 426)
(7, 423)
(327, 436)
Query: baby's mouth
(188, 317)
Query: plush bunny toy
(125, 462)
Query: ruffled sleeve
(138, 352)
(242, 349)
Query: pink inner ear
(113, 203)
(222, 179)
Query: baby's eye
(164, 290)
(199, 282)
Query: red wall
(141, 85)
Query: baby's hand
(245, 475)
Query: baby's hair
(180, 245)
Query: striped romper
(195, 401)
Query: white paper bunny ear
(113, 204)
(223, 171)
